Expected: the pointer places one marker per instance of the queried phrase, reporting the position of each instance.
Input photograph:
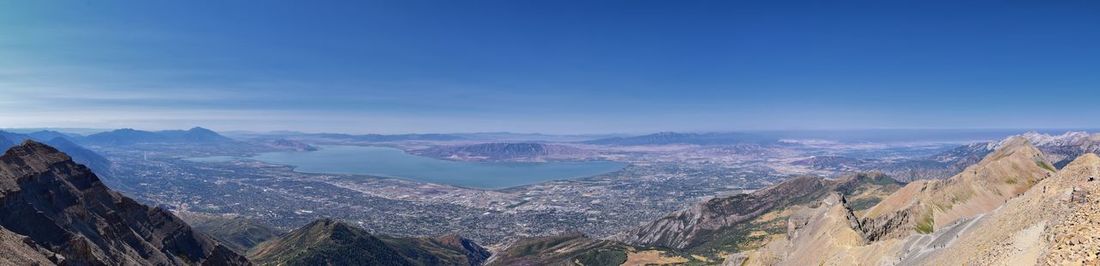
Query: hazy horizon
(561, 67)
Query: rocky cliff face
(61, 210)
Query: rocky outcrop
(5, 143)
(16, 249)
(1075, 237)
(62, 209)
(896, 224)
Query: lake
(390, 162)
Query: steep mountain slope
(1003, 210)
(62, 207)
(16, 249)
(928, 205)
(331, 242)
(729, 224)
(1054, 223)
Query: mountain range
(1059, 150)
(128, 136)
(61, 141)
(1015, 205)
(500, 151)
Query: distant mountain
(1058, 149)
(1063, 149)
(12, 138)
(81, 155)
(58, 211)
(62, 142)
(286, 144)
(499, 151)
(331, 242)
(6, 143)
(531, 137)
(48, 135)
(132, 136)
(665, 138)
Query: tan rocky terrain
(1012, 208)
(710, 231)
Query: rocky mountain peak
(30, 157)
(1070, 138)
(62, 209)
(1085, 166)
(1012, 145)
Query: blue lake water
(390, 162)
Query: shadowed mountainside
(63, 211)
(331, 242)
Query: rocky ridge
(1009, 209)
(61, 210)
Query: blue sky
(549, 66)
